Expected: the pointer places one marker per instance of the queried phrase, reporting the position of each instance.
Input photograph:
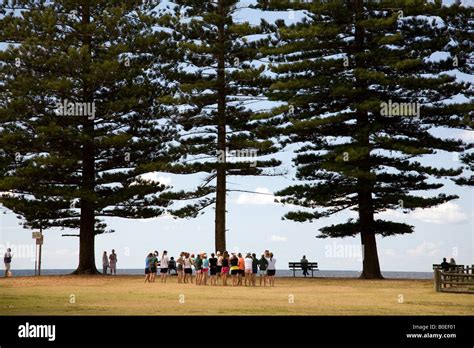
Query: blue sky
(254, 223)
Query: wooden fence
(458, 279)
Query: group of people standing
(218, 267)
(109, 262)
(153, 264)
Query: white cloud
(278, 239)
(425, 249)
(264, 196)
(447, 213)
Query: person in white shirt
(7, 259)
(219, 263)
(248, 269)
(164, 266)
(188, 271)
(271, 269)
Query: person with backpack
(262, 265)
(7, 259)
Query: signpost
(39, 243)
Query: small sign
(36, 235)
(39, 241)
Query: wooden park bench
(312, 266)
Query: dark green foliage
(71, 170)
(339, 72)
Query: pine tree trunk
(220, 238)
(370, 264)
(86, 241)
(87, 223)
(220, 222)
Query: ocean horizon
(279, 273)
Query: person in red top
(241, 265)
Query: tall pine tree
(218, 81)
(362, 96)
(461, 47)
(79, 118)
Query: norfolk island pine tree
(79, 169)
(216, 81)
(335, 71)
(460, 23)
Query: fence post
(437, 280)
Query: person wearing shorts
(241, 264)
(164, 266)
(262, 265)
(198, 269)
(205, 268)
(153, 267)
(248, 269)
(193, 265)
(213, 269)
(188, 271)
(234, 268)
(225, 268)
(180, 267)
(271, 269)
(254, 269)
(219, 263)
(148, 262)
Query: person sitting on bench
(304, 265)
(444, 265)
(452, 265)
